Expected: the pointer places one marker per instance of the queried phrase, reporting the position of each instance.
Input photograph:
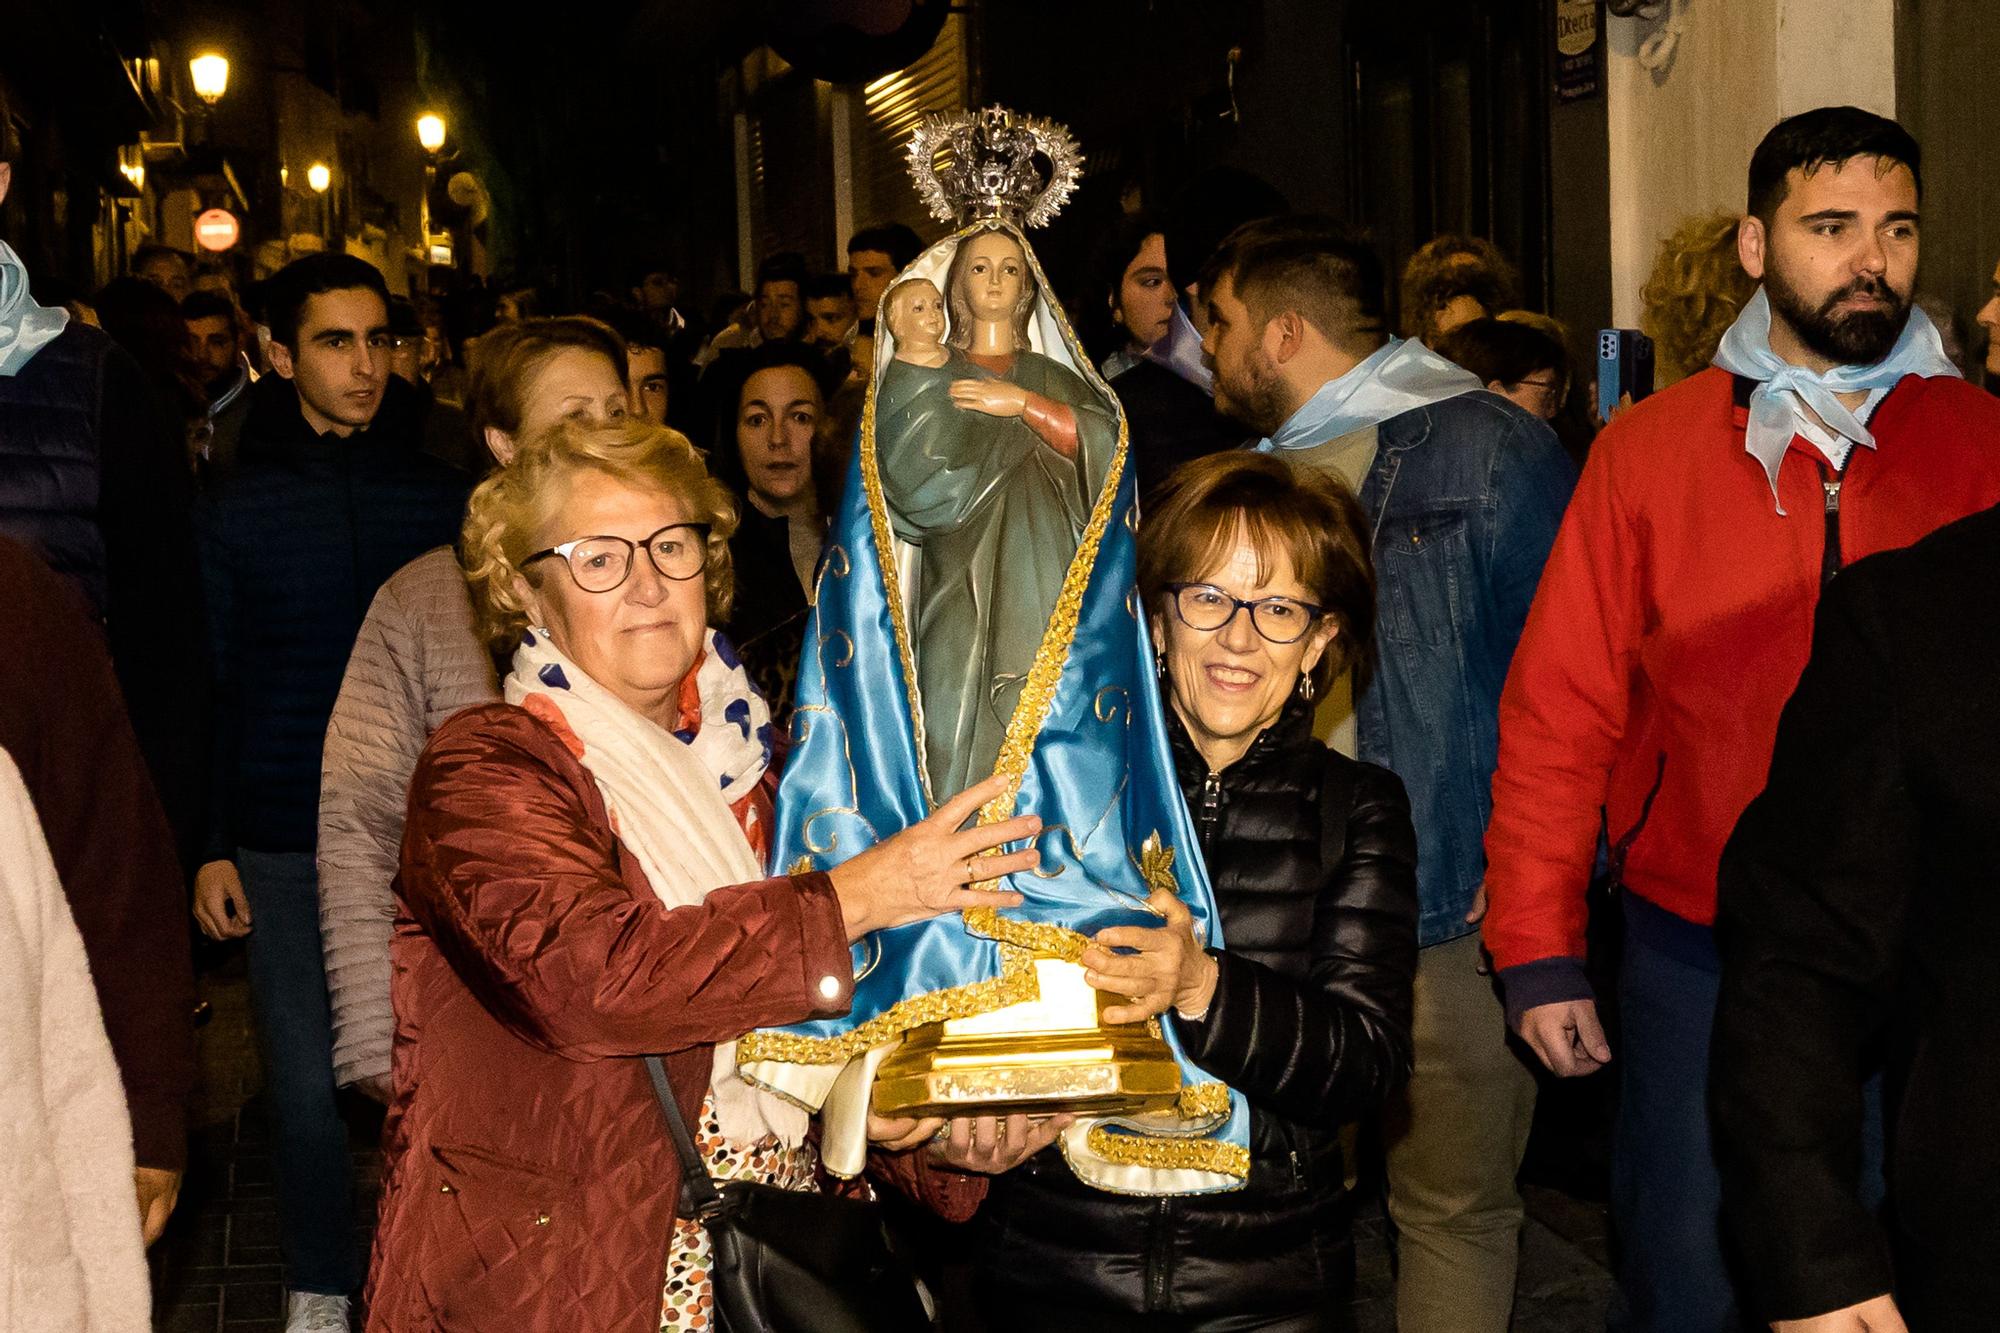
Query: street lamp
(211, 76)
(430, 135)
(319, 176)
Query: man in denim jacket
(1466, 492)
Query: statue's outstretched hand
(996, 398)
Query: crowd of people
(412, 641)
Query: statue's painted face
(992, 275)
(916, 314)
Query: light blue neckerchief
(1179, 350)
(25, 328)
(1779, 405)
(1401, 376)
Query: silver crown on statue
(996, 164)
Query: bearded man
(1672, 622)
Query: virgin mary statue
(976, 613)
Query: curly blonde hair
(507, 518)
(1696, 290)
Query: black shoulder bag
(792, 1261)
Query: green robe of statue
(996, 514)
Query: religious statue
(990, 462)
(976, 613)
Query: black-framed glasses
(1204, 606)
(600, 564)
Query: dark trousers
(1666, 1196)
(295, 1039)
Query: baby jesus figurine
(916, 316)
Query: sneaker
(315, 1312)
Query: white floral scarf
(669, 794)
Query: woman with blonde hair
(581, 886)
(1694, 293)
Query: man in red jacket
(1671, 624)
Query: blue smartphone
(1624, 366)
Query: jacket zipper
(1829, 563)
(1211, 807)
(1160, 1260)
(1298, 1170)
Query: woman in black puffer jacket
(1260, 592)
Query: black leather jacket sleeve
(1327, 1048)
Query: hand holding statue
(984, 1145)
(929, 867)
(1167, 967)
(989, 1145)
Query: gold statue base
(1045, 1055)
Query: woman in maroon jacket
(580, 887)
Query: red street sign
(217, 229)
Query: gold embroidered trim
(1036, 936)
(1156, 865)
(892, 580)
(1016, 984)
(1211, 1155)
(1203, 1101)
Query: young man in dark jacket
(331, 496)
(1856, 915)
(1464, 491)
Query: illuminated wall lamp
(211, 76)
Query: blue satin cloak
(1100, 775)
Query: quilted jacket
(1314, 865)
(528, 1180)
(418, 660)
